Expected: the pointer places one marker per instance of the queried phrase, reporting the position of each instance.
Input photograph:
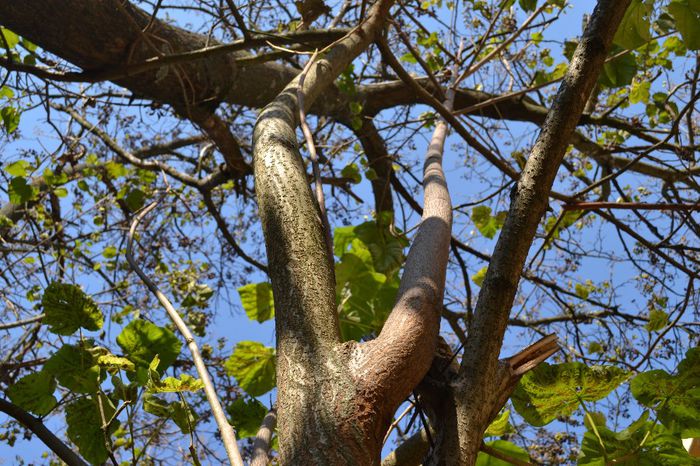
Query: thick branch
(308, 337)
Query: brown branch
(37, 427)
(630, 206)
(119, 72)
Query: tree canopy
(419, 202)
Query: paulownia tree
(138, 108)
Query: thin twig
(227, 434)
(629, 206)
(19, 323)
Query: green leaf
(114, 363)
(253, 365)
(75, 368)
(487, 224)
(620, 71)
(634, 29)
(687, 23)
(257, 301)
(246, 416)
(658, 319)
(85, 422)
(342, 238)
(184, 417)
(480, 275)
(135, 199)
(385, 247)
(499, 426)
(676, 398)
(141, 341)
(352, 171)
(20, 191)
(67, 308)
(10, 118)
(528, 5)
(507, 449)
(639, 92)
(115, 169)
(643, 443)
(186, 383)
(18, 168)
(10, 37)
(110, 252)
(550, 391)
(34, 392)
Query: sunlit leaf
(257, 301)
(634, 30)
(67, 308)
(550, 391)
(34, 392)
(141, 341)
(20, 191)
(253, 365)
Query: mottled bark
(326, 415)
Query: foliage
(97, 350)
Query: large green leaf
(253, 365)
(141, 341)
(687, 23)
(365, 296)
(67, 308)
(84, 419)
(385, 247)
(634, 30)
(20, 191)
(676, 398)
(183, 416)
(246, 416)
(257, 301)
(620, 71)
(34, 392)
(10, 118)
(550, 391)
(505, 448)
(643, 443)
(75, 368)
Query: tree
(151, 135)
